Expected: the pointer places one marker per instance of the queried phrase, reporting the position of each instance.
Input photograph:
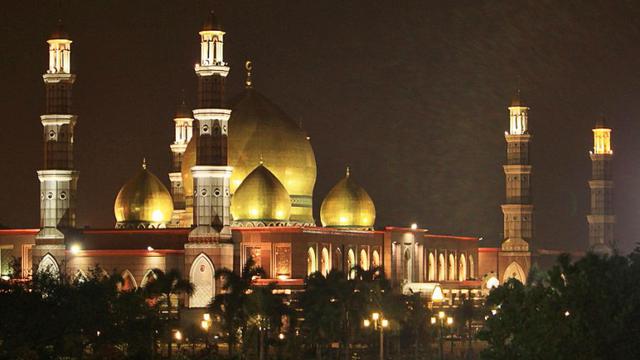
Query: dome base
(140, 225)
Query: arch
(128, 281)
(311, 261)
(202, 275)
(442, 268)
(364, 259)
(325, 265)
(375, 259)
(351, 262)
(452, 267)
(514, 270)
(79, 276)
(472, 268)
(337, 259)
(48, 264)
(432, 267)
(148, 276)
(406, 258)
(462, 268)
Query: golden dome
(258, 129)
(143, 202)
(261, 197)
(348, 206)
(188, 161)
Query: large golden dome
(143, 202)
(348, 206)
(260, 199)
(258, 129)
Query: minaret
(601, 219)
(211, 173)
(183, 131)
(58, 176)
(518, 208)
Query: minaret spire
(518, 209)
(248, 66)
(183, 125)
(601, 219)
(58, 177)
(211, 173)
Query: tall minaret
(211, 173)
(184, 129)
(601, 219)
(58, 176)
(517, 210)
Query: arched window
(324, 262)
(472, 268)
(148, 277)
(375, 259)
(128, 281)
(442, 268)
(311, 261)
(432, 267)
(337, 259)
(49, 265)
(364, 260)
(462, 268)
(202, 275)
(407, 265)
(452, 267)
(514, 270)
(351, 262)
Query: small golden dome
(348, 206)
(261, 197)
(143, 202)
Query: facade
(601, 219)
(242, 180)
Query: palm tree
(266, 311)
(162, 288)
(467, 313)
(231, 305)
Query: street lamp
(379, 323)
(442, 319)
(178, 336)
(205, 324)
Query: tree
(163, 287)
(588, 309)
(231, 305)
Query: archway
(432, 267)
(514, 270)
(311, 261)
(375, 259)
(407, 265)
(202, 275)
(462, 268)
(337, 259)
(324, 262)
(442, 268)
(351, 262)
(149, 276)
(472, 267)
(364, 260)
(49, 265)
(452, 267)
(128, 281)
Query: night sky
(412, 95)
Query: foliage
(589, 309)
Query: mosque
(241, 185)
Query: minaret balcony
(52, 78)
(209, 70)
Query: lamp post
(442, 319)
(206, 325)
(178, 337)
(379, 323)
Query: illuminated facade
(183, 122)
(601, 218)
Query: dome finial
(144, 163)
(348, 171)
(248, 65)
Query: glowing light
(343, 220)
(433, 320)
(366, 322)
(385, 323)
(206, 317)
(178, 335)
(441, 314)
(75, 249)
(566, 313)
(156, 216)
(493, 282)
(494, 312)
(414, 226)
(149, 248)
(283, 277)
(449, 320)
(437, 295)
(281, 336)
(375, 316)
(253, 212)
(204, 324)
